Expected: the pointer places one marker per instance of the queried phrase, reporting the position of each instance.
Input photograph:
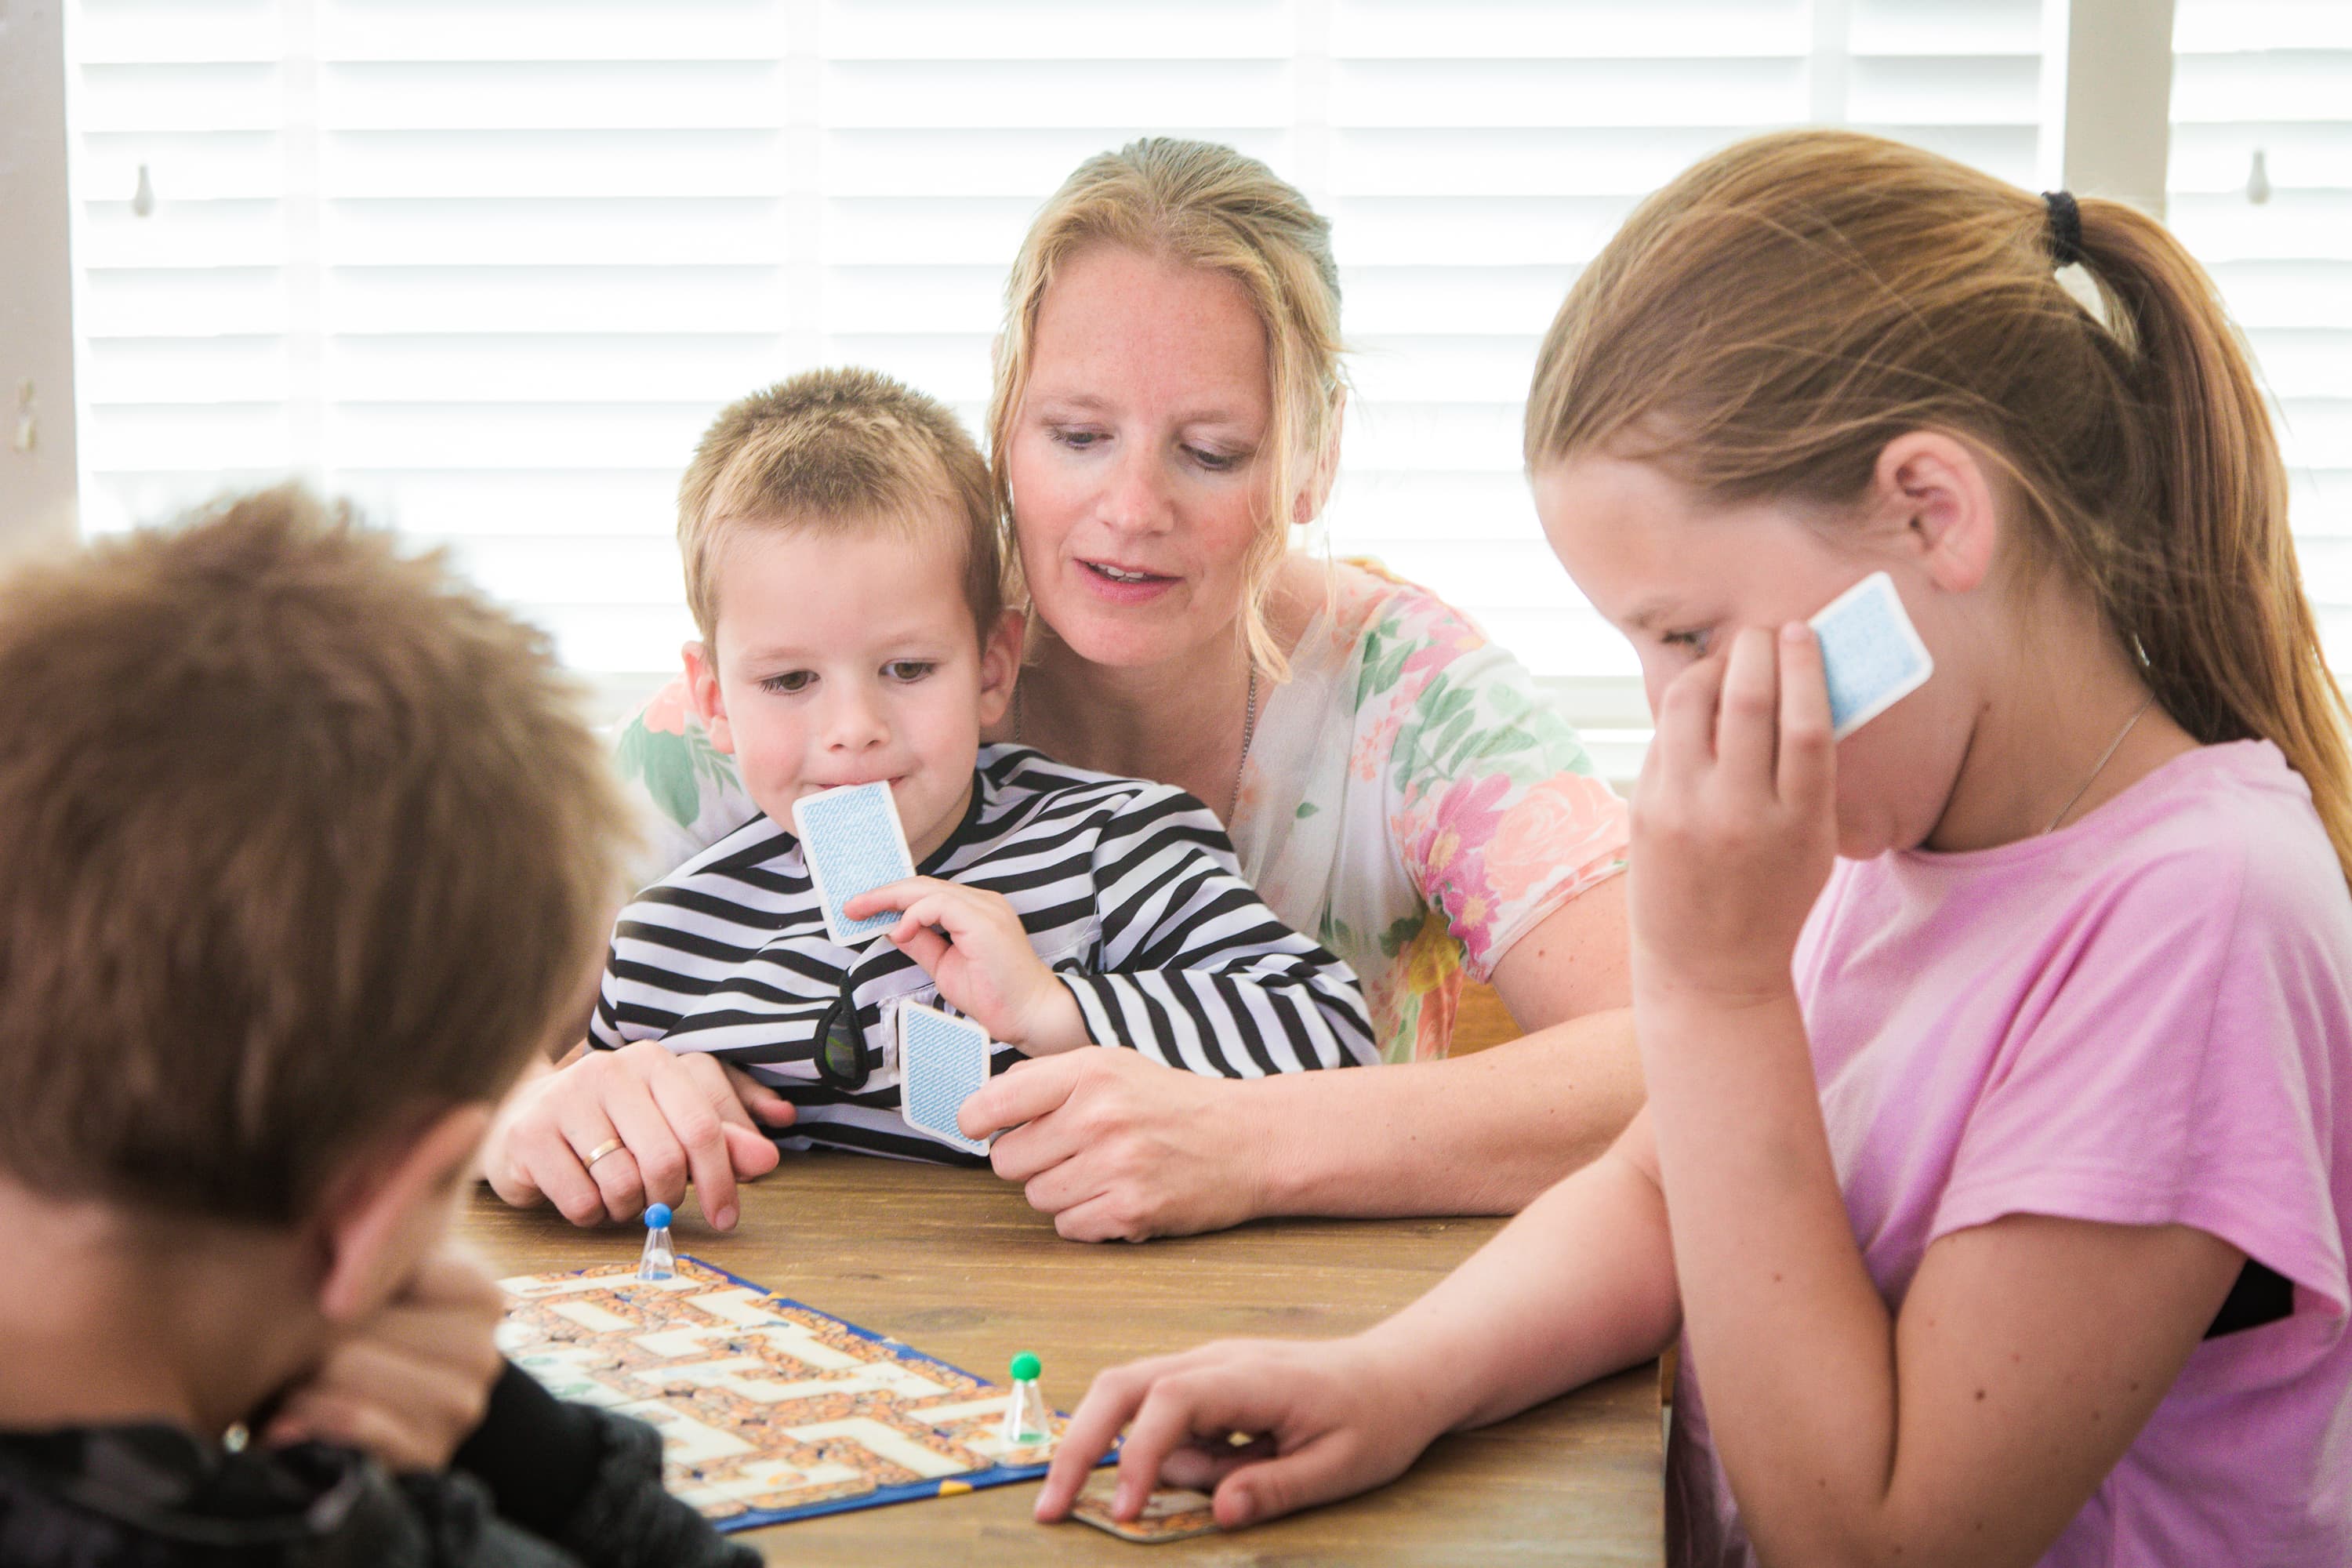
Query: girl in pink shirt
(1998, 1165)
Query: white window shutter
(2273, 78)
(490, 265)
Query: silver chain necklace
(1249, 734)
(2101, 765)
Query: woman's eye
(1697, 641)
(1077, 440)
(1217, 462)
(909, 668)
(789, 683)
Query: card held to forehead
(1871, 652)
(852, 841)
(942, 1060)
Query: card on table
(1871, 653)
(853, 843)
(941, 1060)
(1168, 1513)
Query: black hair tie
(2065, 227)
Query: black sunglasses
(841, 1043)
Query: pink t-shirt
(2144, 1019)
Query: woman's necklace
(2100, 766)
(1249, 734)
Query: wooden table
(957, 1264)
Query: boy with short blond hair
(306, 852)
(846, 566)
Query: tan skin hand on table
(679, 1119)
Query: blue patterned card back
(851, 839)
(1871, 653)
(941, 1060)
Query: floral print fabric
(1410, 800)
(1415, 804)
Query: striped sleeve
(1194, 969)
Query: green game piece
(1025, 1368)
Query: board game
(769, 1410)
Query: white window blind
(2272, 81)
(491, 265)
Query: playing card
(1168, 1513)
(941, 1060)
(1871, 652)
(852, 841)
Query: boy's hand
(675, 1117)
(409, 1385)
(983, 964)
(1327, 1418)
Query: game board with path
(769, 1410)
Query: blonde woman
(1167, 407)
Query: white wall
(37, 395)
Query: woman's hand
(677, 1118)
(1734, 823)
(1116, 1147)
(983, 963)
(1327, 1419)
(409, 1385)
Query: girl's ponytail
(1764, 325)
(2212, 594)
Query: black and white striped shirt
(1129, 891)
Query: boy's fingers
(890, 896)
(923, 947)
(1748, 714)
(1808, 752)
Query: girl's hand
(677, 1117)
(410, 1383)
(983, 964)
(1735, 821)
(1328, 1419)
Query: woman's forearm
(1479, 1134)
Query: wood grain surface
(958, 1265)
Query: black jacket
(541, 1484)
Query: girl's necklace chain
(1249, 734)
(2101, 765)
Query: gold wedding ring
(608, 1146)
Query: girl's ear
(1936, 488)
(702, 685)
(1000, 666)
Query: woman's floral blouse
(1408, 799)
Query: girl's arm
(1971, 1425)
(1970, 1428)
(1578, 1286)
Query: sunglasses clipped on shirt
(840, 1056)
